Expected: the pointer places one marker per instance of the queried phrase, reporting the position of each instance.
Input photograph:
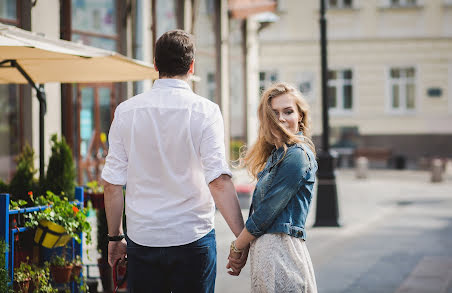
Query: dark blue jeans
(187, 268)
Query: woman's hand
(237, 261)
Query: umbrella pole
(40, 94)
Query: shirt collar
(171, 83)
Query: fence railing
(8, 233)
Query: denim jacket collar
(280, 150)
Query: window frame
(404, 3)
(402, 109)
(266, 83)
(340, 5)
(112, 37)
(340, 94)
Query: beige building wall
(45, 19)
(369, 39)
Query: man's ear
(191, 70)
(155, 66)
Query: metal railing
(8, 233)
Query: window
(340, 90)
(266, 78)
(402, 89)
(340, 3)
(8, 12)
(166, 16)
(94, 23)
(403, 3)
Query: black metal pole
(324, 67)
(40, 94)
(42, 112)
(327, 210)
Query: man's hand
(237, 261)
(116, 250)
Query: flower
(62, 212)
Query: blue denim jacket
(283, 193)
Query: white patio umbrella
(26, 57)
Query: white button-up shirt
(167, 144)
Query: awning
(26, 57)
(47, 60)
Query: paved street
(396, 236)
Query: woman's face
(286, 111)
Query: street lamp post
(327, 210)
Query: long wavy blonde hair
(272, 132)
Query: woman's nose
(281, 118)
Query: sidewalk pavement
(396, 236)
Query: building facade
(82, 113)
(390, 71)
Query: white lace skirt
(280, 264)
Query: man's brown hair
(174, 52)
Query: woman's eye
(289, 112)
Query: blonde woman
(283, 162)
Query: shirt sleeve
(212, 148)
(285, 185)
(115, 169)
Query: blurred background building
(390, 81)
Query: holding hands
(237, 259)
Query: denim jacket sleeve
(288, 179)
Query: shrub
(60, 177)
(4, 278)
(4, 188)
(23, 180)
(235, 146)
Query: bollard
(437, 171)
(362, 166)
(448, 170)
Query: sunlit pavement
(396, 236)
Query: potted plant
(40, 280)
(63, 218)
(76, 268)
(22, 277)
(95, 192)
(61, 175)
(60, 269)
